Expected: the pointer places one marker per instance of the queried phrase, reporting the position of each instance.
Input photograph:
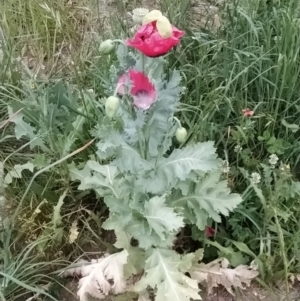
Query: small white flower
(225, 167)
(277, 38)
(138, 15)
(183, 90)
(238, 148)
(273, 159)
(255, 178)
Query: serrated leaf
(162, 219)
(101, 178)
(162, 272)
(132, 127)
(186, 262)
(56, 219)
(169, 92)
(24, 129)
(136, 256)
(79, 174)
(181, 162)
(125, 217)
(108, 146)
(120, 213)
(210, 195)
(40, 161)
(159, 126)
(199, 158)
(125, 59)
(143, 233)
(17, 172)
(131, 161)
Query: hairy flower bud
(111, 106)
(181, 134)
(164, 27)
(107, 47)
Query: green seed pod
(107, 47)
(181, 134)
(111, 106)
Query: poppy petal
(148, 40)
(142, 90)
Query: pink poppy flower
(209, 231)
(142, 90)
(248, 112)
(148, 40)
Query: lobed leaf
(210, 198)
(162, 272)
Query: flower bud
(107, 47)
(111, 106)
(181, 134)
(164, 27)
(152, 16)
(138, 15)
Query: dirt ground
(252, 294)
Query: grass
(252, 61)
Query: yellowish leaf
(218, 273)
(73, 232)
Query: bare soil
(251, 294)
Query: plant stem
(177, 120)
(142, 61)
(282, 249)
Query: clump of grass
(46, 33)
(251, 62)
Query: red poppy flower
(247, 112)
(148, 40)
(209, 231)
(142, 90)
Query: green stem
(119, 41)
(142, 56)
(282, 249)
(177, 120)
(142, 151)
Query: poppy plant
(148, 40)
(142, 90)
